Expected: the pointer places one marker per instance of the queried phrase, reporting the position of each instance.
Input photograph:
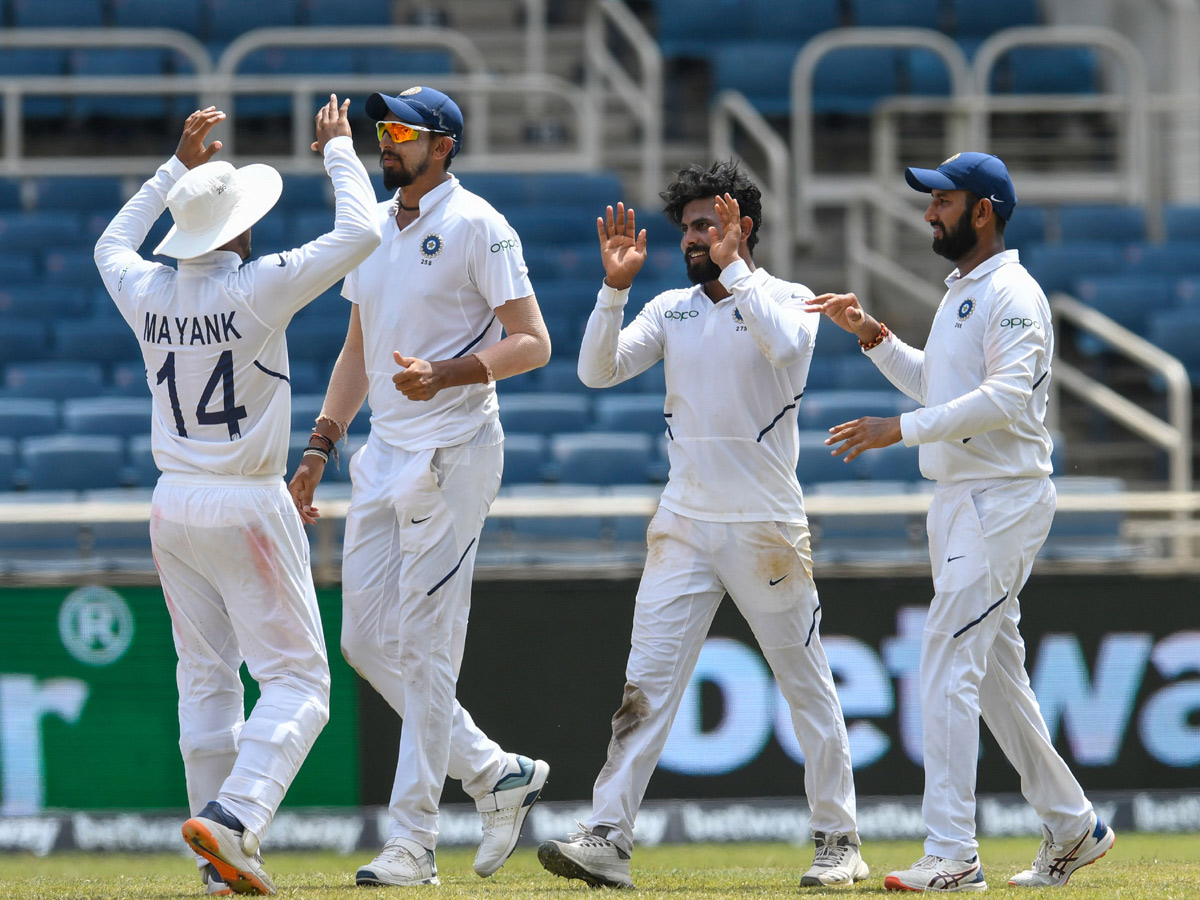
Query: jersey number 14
(230, 414)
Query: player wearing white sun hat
(227, 540)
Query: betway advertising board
(88, 698)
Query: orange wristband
(879, 338)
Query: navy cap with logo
(423, 106)
(982, 174)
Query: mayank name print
(214, 329)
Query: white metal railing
(731, 109)
(475, 88)
(1129, 181)
(862, 260)
(812, 188)
(641, 95)
(1174, 435)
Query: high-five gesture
(622, 246)
(332, 121)
(723, 248)
(191, 150)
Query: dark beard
(957, 244)
(401, 177)
(702, 271)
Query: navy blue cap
(423, 106)
(982, 174)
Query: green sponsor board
(88, 705)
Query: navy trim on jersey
(782, 413)
(465, 350)
(278, 375)
(971, 625)
(813, 626)
(1040, 380)
(450, 574)
(668, 415)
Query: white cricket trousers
(234, 565)
(766, 568)
(983, 537)
(412, 531)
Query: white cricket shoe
(213, 884)
(937, 873)
(836, 861)
(1057, 861)
(400, 862)
(504, 811)
(588, 857)
(232, 850)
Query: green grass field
(1140, 867)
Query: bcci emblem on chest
(431, 246)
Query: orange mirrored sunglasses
(399, 132)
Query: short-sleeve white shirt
(431, 291)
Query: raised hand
(332, 121)
(191, 150)
(723, 248)
(622, 246)
(847, 313)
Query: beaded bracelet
(879, 338)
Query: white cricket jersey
(212, 332)
(735, 373)
(982, 378)
(430, 292)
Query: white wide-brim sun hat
(214, 203)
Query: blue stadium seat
(128, 379)
(45, 302)
(767, 82)
(1128, 300)
(1176, 257)
(821, 410)
(23, 339)
(816, 463)
(574, 297)
(349, 12)
(1046, 70)
(553, 225)
(72, 462)
(38, 230)
(1026, 227)
(318, 338)
(53, 380)
(181, 15)
(306, 192)
(10, 193)
(1181, 221)
(404, 61)
(896, 13)
(105, 340)
(682, 34)
(71, 267)
(150, 63)
(1102, 222)
(981, 18)
(305, 409)
(1174, 330)
(601, 457)
(524, 458)
(791, 21)
(40, 14)
(850, 372)
(851, 80)
(227, 19)
(142, 470)
(560, 376)
(119, 416)
(557, 261)
(924, 73)
(288, 61)
(36, 416)
(18, 268)
(37, 61)
(1056, 267)
(306, 377)
(525, 382)
(864, 537)
(545, 413)
(590, 191)
(631, 412)
(894, 463)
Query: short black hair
(697, 183)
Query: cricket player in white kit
(425, 343)
(982, 380)
(736, 347)
(228, 542)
